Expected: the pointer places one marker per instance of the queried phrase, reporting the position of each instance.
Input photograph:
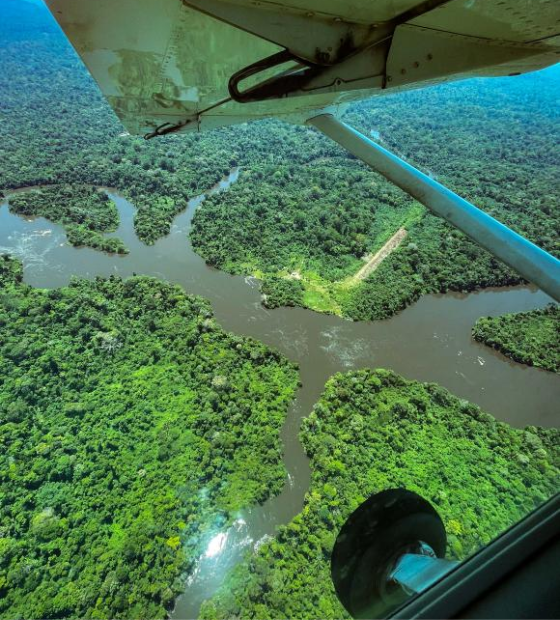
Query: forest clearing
(373, 262)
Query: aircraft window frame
(471, 579)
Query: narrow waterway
(430, 341)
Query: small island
(531, 338)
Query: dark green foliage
(282, 292)
(130, 426)
(57, 128)
(495, 142)
(85, 213)
(374, 430)
(82, 236)
(11, 271)
(435, 258)
(78, 205)
(531, 338)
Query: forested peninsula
(85, 213)
(131, 427)
(308, 230)
(531, 338)
(373, 430)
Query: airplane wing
(190, 65)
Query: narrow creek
(429, 341)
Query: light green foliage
(373, 430)
(130, 425)
(531, 338)
(85, 213)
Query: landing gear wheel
(386, 526)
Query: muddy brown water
(429, 341)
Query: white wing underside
(163, 61)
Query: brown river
(429, 341)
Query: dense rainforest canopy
(131, 427)
(531, 338)
(495, 144)
(373, 430)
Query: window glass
(215, 348)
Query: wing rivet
(429, 57)
(416, 65)
(403, 71)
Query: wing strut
(534, 264)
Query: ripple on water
(294, 340)
(342, 347)
(216, 545)
(33, 248)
